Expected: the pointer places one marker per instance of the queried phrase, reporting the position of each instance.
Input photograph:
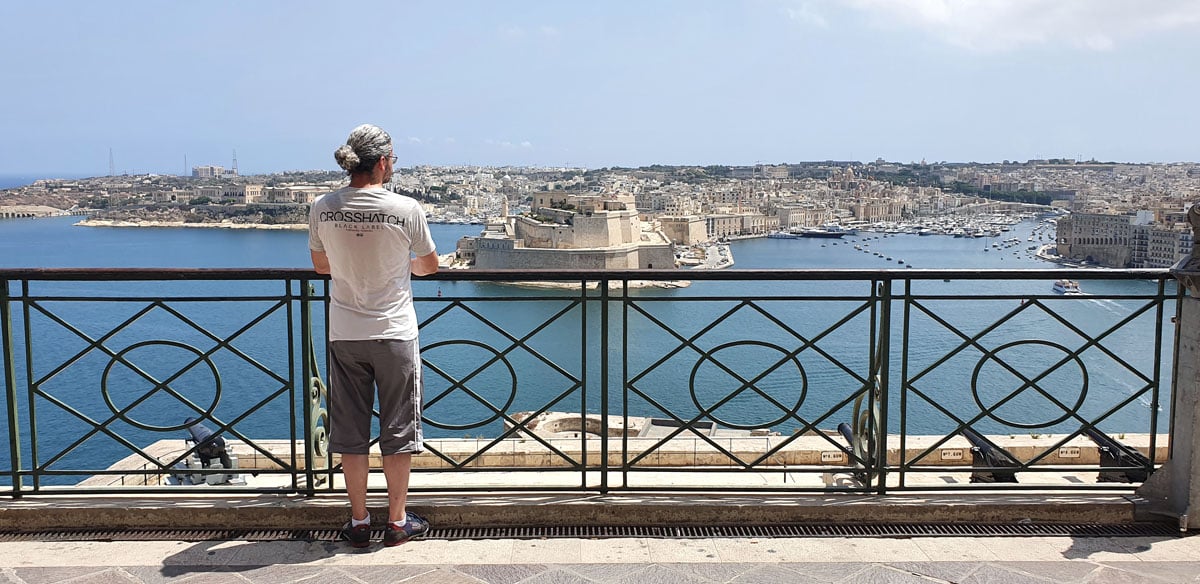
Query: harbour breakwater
(225, 224)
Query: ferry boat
(1067, 287)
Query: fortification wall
(524, 258)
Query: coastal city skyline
(166, 87)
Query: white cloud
(550, 31)
(804, 13)
(508, 144)
(414, 140)
(997, 25)
(449, 140)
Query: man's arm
(425, 265)
(320, 262)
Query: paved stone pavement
(998, 560)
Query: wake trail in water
(1131, 389)
(1110, 305)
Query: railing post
(604, 365)
(315, 434)
(10, 388)
(881, 388)
(1174, 489)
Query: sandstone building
(570, 231)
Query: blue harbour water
(8, 181)
(518, 349)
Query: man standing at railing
(365, 236)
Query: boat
(821, 232)
(1067, 287)
(782, 235)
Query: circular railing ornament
(990, 411)
(711, 412)
(104, 388)
(500, 358)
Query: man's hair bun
(364, 148)
(346, 157)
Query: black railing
(746, 380)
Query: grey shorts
(356, 370)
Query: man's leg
(398, 376)
(355, 468)
(351, 399)
(396, 468)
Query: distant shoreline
(168, 224)
(593, 285)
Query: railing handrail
(735, 274)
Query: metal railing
(867, 381)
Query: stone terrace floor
(1000, 560)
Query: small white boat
(1067, 287)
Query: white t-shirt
(368, 234)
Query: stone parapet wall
(522, 258)
(529, 453)
(22, 211)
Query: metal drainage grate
(602, 532)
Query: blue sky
(595, 84)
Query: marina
(990, 225)
(993, 240)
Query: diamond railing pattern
(1062, 370)
(833, 381)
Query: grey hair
(363, 149)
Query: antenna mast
(235, 171)
(112, 167)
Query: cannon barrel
(1119, 457)
(985, 454)
(209, 446)
(848, 433)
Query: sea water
(683, 351)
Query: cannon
(1120, 458)
(209, 446)
(859, 432)
(985, 454)
(861, 475)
